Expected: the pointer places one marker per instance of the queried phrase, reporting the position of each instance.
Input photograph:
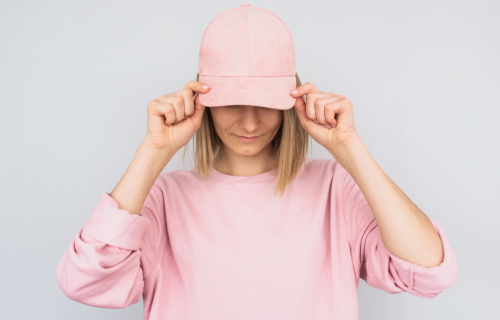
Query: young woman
(254, 230)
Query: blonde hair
(290, 146)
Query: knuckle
(169, 108)
(162, 98)
(177, 99)
(152, 103)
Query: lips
(243, 138)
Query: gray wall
(76, 77)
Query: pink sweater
(225, 248)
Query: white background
(76, 77)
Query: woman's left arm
(405, 230)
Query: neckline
(260, 177)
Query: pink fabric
(247, 57)
(225, 248)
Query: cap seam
(202, 65)
(217, 18)
(289, 33)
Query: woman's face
(246, 121)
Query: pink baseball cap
(247, 57)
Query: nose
(250, 118)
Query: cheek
(273, 119)
(222, 120)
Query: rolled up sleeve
(379, 267)
(114, 226)
(109, 259)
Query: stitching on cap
(214, 20)
(288, 30)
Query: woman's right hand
(174, 118)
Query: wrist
(345, 145)
(150, 147)
(345, 153)
(156, 157)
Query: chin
(247, 150)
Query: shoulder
(325, 168)
(177, 179)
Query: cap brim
(269, 92)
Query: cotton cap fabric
(247, 57)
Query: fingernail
(294, 92)
(205, 87)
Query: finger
(300, 109)
(177, 101)
(305, 89)
(319, 107)
(199, 109)
(194, 87)
(187, 94)
(310, 91)
(197, 86)
(164, 109)
(338, 108)
(328, 112)
(312, 106)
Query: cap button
(245, 5)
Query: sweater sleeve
(110, 258)
(380, 268)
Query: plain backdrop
(76, 77)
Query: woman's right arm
(108, 260)
(117, 250)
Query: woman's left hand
(327, 117)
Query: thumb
(300, 108)
(198, 111)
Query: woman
(254, 230)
